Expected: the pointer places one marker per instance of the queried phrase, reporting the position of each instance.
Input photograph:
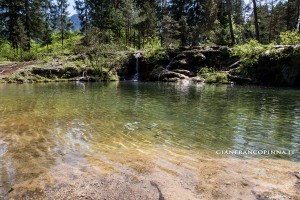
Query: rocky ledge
(216, 64)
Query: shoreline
(208, 64)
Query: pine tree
(257, 36)
(48, 10)
(63, 21)
(101, 13)
(9, 14)
(168, 31)
(130, 13)
(118, 22)
(147, 25)
(271, 5)
(21, 35)
(201, 15)
(179, 13)
(278, 21)
(229, 11)
(293, 7)
(83, 10)
(33, 19)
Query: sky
(70, 8)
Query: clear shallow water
(45, 124)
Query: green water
(45, 124)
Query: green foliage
(10, 54)
(249, 53)
(212, 76)
(6, 51)
(251, 49)
(39, 51)
(102, 54)
(290, 37)
(72, 70)
(169, 31)
(157, 70)
(218, 34)
(154, 50)
(27, 56)
(256, 58)
(205, 70)
(155, 56)
(218, 77)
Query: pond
(92, 124)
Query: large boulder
(48, 72)
(280, 67)
(197, 57)
(56, 72)
(176, 64)
(185, 72)
(176, 75)
(172, 74)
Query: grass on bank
(99, 60)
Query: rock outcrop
(277, 67)
(178, 64)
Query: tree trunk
(229, 9)
(139, 39)
(255, 21)
(288, 15)
(271, 19)
(62, 34)
(298, 14)
(62, 25)
(134, 44)
(127, 32)
(27, 25)
(86, 16)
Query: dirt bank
(10, 68)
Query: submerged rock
(83, 79)
(197, 80)
(132, 126)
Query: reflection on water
(43, 125)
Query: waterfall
(168, 66)
(137, 55)
(166, 69)
(83, 77)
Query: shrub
(249, 53)
(205, 70)
(290, 37)
(218, 77)
(155, 58)
(6, 52)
